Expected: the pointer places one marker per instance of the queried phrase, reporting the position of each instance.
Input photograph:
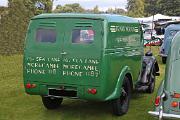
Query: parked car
(147, 34)
(170, 32)
(86, 56)
(151, 38)
(167, 102)
(154, 42)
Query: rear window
(46, 35)
(82, 36)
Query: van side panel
(124, 49)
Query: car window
(46, 35)
(82, 36)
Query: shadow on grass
(80, 109)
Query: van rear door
(42, 58)
(65, 51)
(81, 54)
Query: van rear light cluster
(174, 104)
(92, 91)
(176, 95)
(157, 101)
(29, 85)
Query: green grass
(16, 105)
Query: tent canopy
(156, 18)
(160, 17)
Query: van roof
(108, 17)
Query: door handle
(63, 53)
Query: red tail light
(157, 101)
(174, 104)
(176, 95)
(29, 85)
(92, 91)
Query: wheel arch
(125, 72)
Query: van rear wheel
(51, 102)
(121, 105)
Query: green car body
(168, 105)
(77, 53)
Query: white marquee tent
(156, 18)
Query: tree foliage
(76, 8)
(140, 8)
(14, 24)
(96, 9)
(169, 7)
(116, 11)
(150, 7)
(135, 8)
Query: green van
(84, 56)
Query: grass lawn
(16, 105)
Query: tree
(135, 8)
(116, 11)
(151, 7)
(169, 7)
(166, 7)
(76, 8)
(14, 24)
(43, 6)
(96, 9)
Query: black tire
(164, 60)
(152, 80)
(51, 102)
(121, 105)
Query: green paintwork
(172, 82)
(116, 51)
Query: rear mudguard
(117, 91)
(149, 63)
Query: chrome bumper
(164, 115)
(163, 55)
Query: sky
(88, 4)
(3, 2)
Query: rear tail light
(157, 101)
(92, 91)
(174, 104)
(176, 95)
(29, 85)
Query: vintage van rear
(83, 56)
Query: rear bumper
(164, 115)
